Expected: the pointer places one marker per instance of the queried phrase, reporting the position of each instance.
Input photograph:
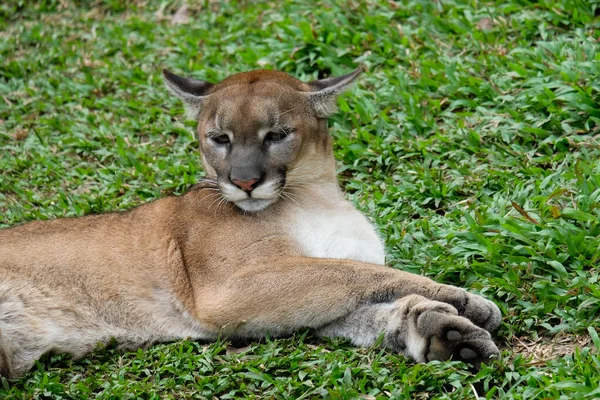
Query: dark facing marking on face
(247, 164)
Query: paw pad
(467, 354)
(453, 335)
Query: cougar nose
(246, 186)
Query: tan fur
(197, 266)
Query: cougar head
(257, 130)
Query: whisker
(301, 200)
(222, 204)
(212, 182)
(216, 201)
(209, 196)
(286, 196)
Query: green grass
(472, 141)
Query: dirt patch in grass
(544, 349)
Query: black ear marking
(347, 79)
(192, 92)
(187, 85)
(324, 92)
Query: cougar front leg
(418, 316)
(417, 327)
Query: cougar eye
(221, 139)
(277, 136)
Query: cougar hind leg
(6, 368)
(32, 327)
(20, 342)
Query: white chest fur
(339, 232)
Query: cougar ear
(192, 91)
(323, 93)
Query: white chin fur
(254, 205)
(262, 197)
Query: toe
(476, 351)
(453, 336)
(456, 338)
(468, 354)
(482, 312)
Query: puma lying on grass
(265, 245)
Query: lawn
(472, 141)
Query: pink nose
(246, 186)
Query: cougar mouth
(258, 199)
(254, 205)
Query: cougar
(266, 244)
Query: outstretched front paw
(436, 332)
(477, 309)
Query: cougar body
(267, 244)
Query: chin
(254, 205)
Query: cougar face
(250, 138)
(255, 127)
